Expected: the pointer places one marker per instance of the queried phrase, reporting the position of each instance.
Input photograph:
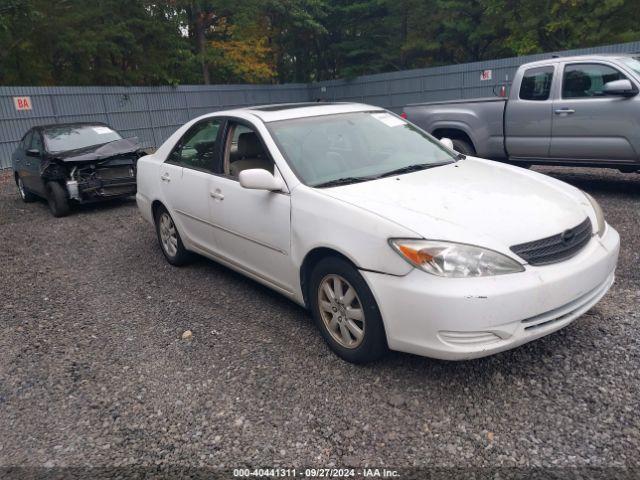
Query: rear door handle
(165, 177)
(561, 111)
(217, 195)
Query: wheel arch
(311, 259)
(454, 133)
(155, 205)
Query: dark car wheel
(346, 312)
(464, 147)
(25, 194)
(57, 199)
(169, 239)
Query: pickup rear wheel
(57, 199)
(464, 147)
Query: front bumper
(464, 318)
(103, 189)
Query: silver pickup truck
(582, 111)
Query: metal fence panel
(154, 113)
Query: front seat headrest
(249, 145)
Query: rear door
(528, 115)
(185, 177)
(589, 126)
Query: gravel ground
(94, 370)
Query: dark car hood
(99, 152)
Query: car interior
(244, 151)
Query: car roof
(578, 58)
(287, 111)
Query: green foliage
(144, 42)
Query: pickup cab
(582, 111)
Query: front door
(254, 226)
(36, 184)
(588, 125)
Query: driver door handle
(560, 111)
(217, 195)
(165, 177)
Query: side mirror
(620, 88)
(33, 152)
(260, 179)
(447, 142)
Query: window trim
(180, 144)
(553, 77)
(227, 125)
(603, 97)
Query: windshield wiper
(411, 168)
(341, 181)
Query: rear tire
(347, 316)
(464, 147)
(57, 199)
(169, 239)
(25, 195)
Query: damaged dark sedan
(75, 162)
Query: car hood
(472, 201)
(99, 152)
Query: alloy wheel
(341, 311)
(168, 235)
(23, 194)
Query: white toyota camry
(389, 237)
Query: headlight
(448, 259)
(601, 224)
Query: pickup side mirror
(620, 88)
(447, 142)
(33, 152)
(260, 179)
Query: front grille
(557, 247)
(115, 172)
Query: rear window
(536, 84)
(73, 137)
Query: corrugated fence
(153, 113)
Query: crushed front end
(105, 172)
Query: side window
(36, 142)
(198, 148)
(25, 144)
(536, 84)
(587, 80)
(243, 150)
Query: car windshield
(350, 147)
(632, 63)
(73, 137)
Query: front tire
(346, 312)
(57, 199)
(25, 195)
(169, 239)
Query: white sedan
(388, 236)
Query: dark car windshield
(73, 137)
(345, 148)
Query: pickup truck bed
(481, 120)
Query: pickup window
(587, 80)
(536, 84)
